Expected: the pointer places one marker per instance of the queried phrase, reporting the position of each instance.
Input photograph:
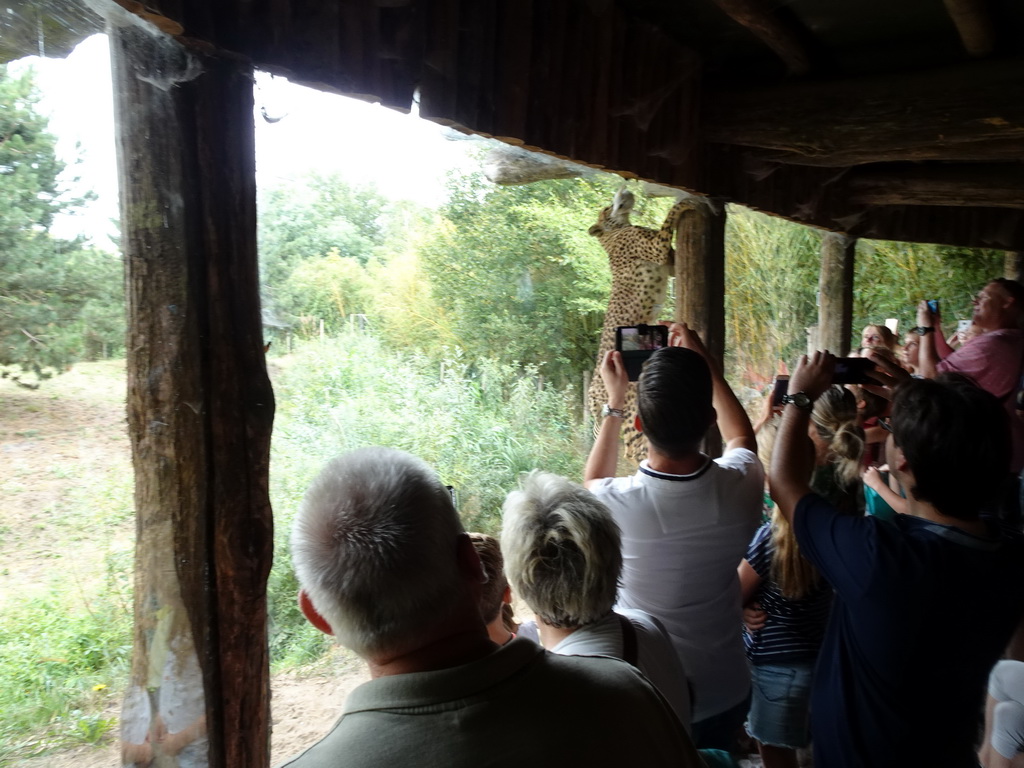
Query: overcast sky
(404, 156)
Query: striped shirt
(793, 628)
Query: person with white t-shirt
(686, 519)
(563, 557)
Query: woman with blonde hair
(786, 601)
(876, 335)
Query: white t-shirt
(683, 537)
(656, 657)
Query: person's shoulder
(601, 677)
(611, 486)
(643, 620)
(740, 460)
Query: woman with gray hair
(563, 557)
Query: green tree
(892, 277)
(771, 288)
(517, 274)
(311, 217)
(326, 289)
(45, 283)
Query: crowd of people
(676, 607)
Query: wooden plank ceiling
(896, 119)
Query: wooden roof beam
(974, 24)
(965, 113)
(783, 38)
(974, 185)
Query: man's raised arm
(604, 455)
(793, 457)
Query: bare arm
(793, 457)
(927, 352)
(874, 480)
(733, 422)
(604, 455)
(749, 582)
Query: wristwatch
(921, 330)
(799, 399)
(607, 410)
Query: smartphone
(779, 389)
(637, 343)
(933, 306)
(853, 370)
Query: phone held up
(779, 389)
(933, 306)
(853, 370)
(637, 343)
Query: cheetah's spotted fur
(641, 260)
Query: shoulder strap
(629, 647)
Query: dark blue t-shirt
(921, 614)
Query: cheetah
(641, 260)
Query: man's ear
(902, 466)
(469, 560)
(311, 613)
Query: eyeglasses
(886, 425)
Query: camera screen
(641, 338)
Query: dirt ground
(69, 438)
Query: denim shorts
(780, 704)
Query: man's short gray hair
(374, 545)
(562, 550)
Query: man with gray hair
(385, 566)
(563, 556)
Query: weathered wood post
(200, 406)
(835, 293)
(700, 282)
(1013, 266)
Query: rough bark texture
(974, 24)
(700, 282)
(959, 113)
(835, 294)
(992, 186)
(200, 404)
(1014, 266)
(771, 30)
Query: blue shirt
(921, 614)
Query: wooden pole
(700, 272)
(1013, 266)
(700, 282)
(835, 293)
(200, 405)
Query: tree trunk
(835, 293)
(200, 406)
(700, 282)
(1014, 266)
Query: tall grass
(63, 658)
(479, 424)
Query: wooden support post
(974, 24)
(200, 405)
(1013, 266)
(835, 293)
(765, 24)
(700, 282)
